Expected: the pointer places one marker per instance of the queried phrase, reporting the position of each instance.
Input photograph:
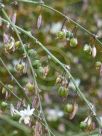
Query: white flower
(24, 114)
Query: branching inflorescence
(63, 89)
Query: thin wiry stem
(66, 17)
(81, 95)
(24, 106)
(39, 118)
(26, 130)
(10, 91)
(30, 63)
(23, 90)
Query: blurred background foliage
(88, 13)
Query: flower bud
(19, 68)
(58, 79)
(60, 35)
(30, 86)
(3, 104)
(3, 90)
(17, 44)
(62, 91)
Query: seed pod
(68, 108)
(75, 109)
(69, 35)
(19, 68)
(62, 91)
(60, 35)
(4, 104)
(36, 63)
(33, 54)
(40, 71)
(73, 42)
(30, 86)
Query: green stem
(25, 129)
(26, 97)
(10, 91)
(39, 118)
(24, 107)
(81, 95)
(66, 17)
(30, 63)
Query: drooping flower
(24, 114)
